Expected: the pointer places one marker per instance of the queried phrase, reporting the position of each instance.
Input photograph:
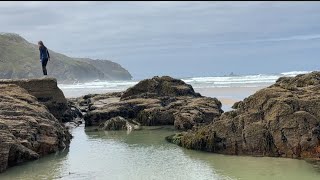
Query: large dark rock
(27, 129)
(156, 116)
(159, 87)
(104, 109)
(156, 101)
(282, 120)
(197, 111)
(120, 123)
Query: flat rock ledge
(48, 93)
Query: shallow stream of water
(146, 155)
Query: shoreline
(226, 95)
(229, 94)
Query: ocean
(198, 83)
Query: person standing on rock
(44, 56)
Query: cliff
(20, 59)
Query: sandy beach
(228, 95)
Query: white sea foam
(196, 82)
(99, 84)
(294, 73)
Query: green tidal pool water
(145, 155)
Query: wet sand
(231, 93)
(228, 95)
(227, 101)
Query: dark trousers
(44, 65)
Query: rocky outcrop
(183, 113)
(27, 129)
(164, 86)
(282, 120)
(156, 101)
(48, 93)
(119, 123)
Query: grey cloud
(134, 33)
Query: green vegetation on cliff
(20, 59)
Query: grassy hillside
(20, 59)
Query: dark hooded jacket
(44, 53)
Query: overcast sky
(180, 39)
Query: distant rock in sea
(282, 120)
(230, 75)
